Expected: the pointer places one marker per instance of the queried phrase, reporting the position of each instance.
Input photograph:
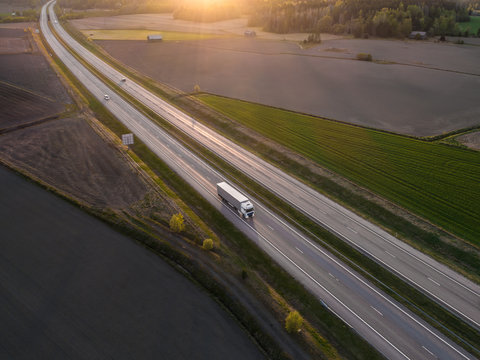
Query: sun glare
(206, 3)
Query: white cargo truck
(237, 200)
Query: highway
(442, 284)
(388, 326)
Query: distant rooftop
(154, 37)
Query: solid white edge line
(347, 271)
(365, 283)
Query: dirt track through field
(72, 288)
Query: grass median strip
(329, 325)
(414, 300)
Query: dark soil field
(408, 99)
(19, 106)
(14, 41)
(68, 154)
(29, 88)
(65, 153)
(72, 288)
(30, 71)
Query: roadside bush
(313, 39)
(244, 274)
(325, 24)
(208, 244)
(293, 322)
(364, 57)
(357, 28)
(177, 223)
(338, 29)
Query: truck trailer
(235, 199)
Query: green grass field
(438, 182)
(101, 34)
(473, 25)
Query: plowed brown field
(18, 106)
(419, 89)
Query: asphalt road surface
(442, 284)
(389, 327)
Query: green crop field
(473, 25)
(438, 182)
(100, 34)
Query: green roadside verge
(339, 335)
(430, 179)
(412, 298)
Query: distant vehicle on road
(55, 21)
(106, 97)
(123, 79)
(237, 200)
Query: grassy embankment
(438, 182)
(473, 25)
(248, 255)
(385, 280)
(142, 35)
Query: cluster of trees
(24, 3)
(384, 18)
(25, 10)
(21, 16)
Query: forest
(383, 18)
(361, 18)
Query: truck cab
(247, 210)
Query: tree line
(25, 10)
(384, 18)
(362, 18)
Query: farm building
(418, 35)
(156, 37)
